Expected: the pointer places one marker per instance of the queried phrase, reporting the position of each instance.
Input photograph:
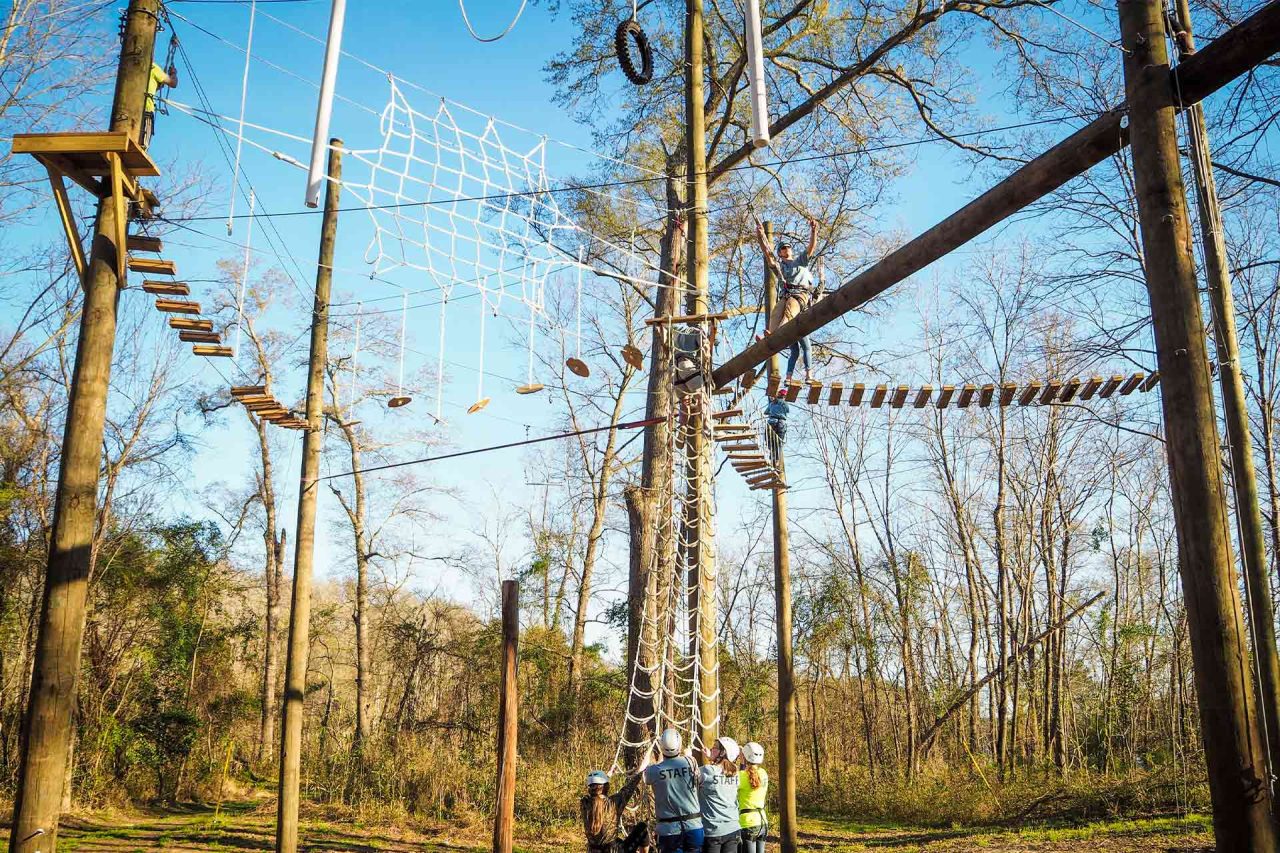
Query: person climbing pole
(675, 797)
(602, 815)
(797, 290)
(159, 77)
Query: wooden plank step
(142, 243)
(166, 288)
(212, 350)
(1007, 390)
(1069, 390)
(1091, 387)
(270, 404)
(247, 390)
(877, 396)
(815, 392)
(190, 324)
(1110, 386)
(200, 337)
(945, 395)
(793, 390)
(177, 306)
(837, 389)
(985, 395)
(155, 266)
(729, 448)
(1051, 391)
(1131, 384)
(966, 395)
(855, 394)
(1029, 392)
(727, 413)
(256, 401)
(1152, 381)
(922, 396)
(899, 396)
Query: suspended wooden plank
(923, 396)
(793, 390)
(944, 396)
(166, 288)
(837, 389)
(1029, 392)
(877, 396)
(270, 404)
(899, 396)
(815, 392)
(855, 394)
(984, 396)
(1091, 387)
(153, 266)
(1131, 384)
(966, 395)
(1007, 390)
(1110, 387)
(177, 306)
(249, 402)
(190, 324)
(1069, 390)
(142, 243)
(212, 350)
(1051, 391)
(247, 390)
(1152, 381)
(727, 413)
(200, 337)
(739, 447)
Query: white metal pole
(755, 73)
(244, 277)
(324, 110)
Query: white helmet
(730, 747)
(753, 753)
(670, 743)
(597, 777)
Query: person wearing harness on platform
(675, 797)
(602, 815)
(156, 78)
(752, 792)
(718, 795)
(797, 290)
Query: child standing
(751, 798)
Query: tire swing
(630, 37)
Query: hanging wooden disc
(531, 388)
(578, 367)
(397, 402)
(477, 406)
(631, 355)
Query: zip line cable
(509, 445)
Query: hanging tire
(630, 37)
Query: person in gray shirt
(718, 795)
(675, 797)
(797, 290)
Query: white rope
(244, 97)
(580, 267)
(444, 304)
(404, 316)
(462, 6)
(355, 357)
(484, 309)
(244, 277)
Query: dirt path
(249, 827)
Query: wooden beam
(877, 396)
(200, 337)
(922, 396)
(1007, 390)
(1091, 387)
(143, 243)
(166, 288)
(153, 266)
(944, 396)
(212, 350)
(68, 219)
(899, 396)
(190, 324)
(247, 390)
(1110, 387)
(1029, 393)
(177, 306)
(1051, 391)
(727, 413)
(693, 318)
(815, 393)
(1131, 384)
(966, 395)
(855, 394)
(1228, 56)
(837, 389)
(1152, 381)
(1070, 389)
(91, 147)
(985, 395)
(793, 391)
(120, 238)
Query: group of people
(718, 807)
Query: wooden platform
(1035, 392)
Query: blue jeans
(753, 840)
(800, 347)
(722, 843)
(688, 841)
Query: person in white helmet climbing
(675, 797)
(752, 792)
(602, 815)
(718, 795)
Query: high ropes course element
(1030, 393)
(258, 400)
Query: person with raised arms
(675, 797)
(718, 796)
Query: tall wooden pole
(787, 830)
(1233, 744)
(295, 672)
(1244, 479)
(702, 580)
(47, 726)
(508, 730)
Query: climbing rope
(462, 6)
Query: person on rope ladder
(602, 814)
(796, 279)
(718, 795)
(157, 78)
(776, 415)
(675, 797)
(751, 799)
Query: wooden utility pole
(504, 815)
(1244, 479)
(787, 830)
(295, 670)
(48, 724)
(1233, 744)
(702, 578)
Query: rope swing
(401, 398)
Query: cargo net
(676, 669)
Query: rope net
(668, 682)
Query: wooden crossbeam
(877, 396)
(793, 390)
(1091, 387)
(200, 337)
(966, 395)
(815, 392)
(923, 396)
(1051, 391)
(1029, 393)
(1070, 389)
(67, 216)
(944, 396)
(1007, 390)
(190, 324)
(212, 350)
(166, 288)
(154, 266)
(143, 243)
(855, 394)
(177, 306)
(984, 396)
(1131, 384)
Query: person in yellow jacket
(158, 77)
(751, 797)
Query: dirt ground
(248, 827)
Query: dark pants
(637, 838)
(722, 843)
(148, 128)
(688, 841)
(753, 840)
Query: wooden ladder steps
(177, 306)
(212, 350)
(142, 243)
(190, 324)
(155, 266)
(200, 337)
(166, 288)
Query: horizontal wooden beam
(1233, 53)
